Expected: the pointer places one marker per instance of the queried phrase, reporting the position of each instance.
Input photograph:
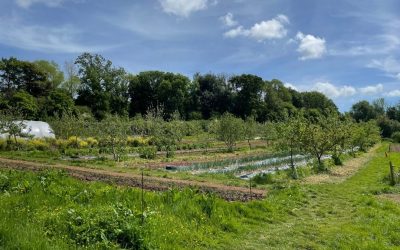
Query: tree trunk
(294, 170)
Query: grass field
(49, 210)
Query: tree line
(386, 116)
(93, 85)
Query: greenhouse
(37, 129)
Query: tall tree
(363, 111)
(72, 81)
(214, 94)
(249, 90)
(22, 75)
(104, 88)
(52, 72)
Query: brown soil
(394, 148)
(391, 197)
(229, 193)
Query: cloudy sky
(349, 50)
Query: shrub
(3, 144)
(148, 152)
(92, 142)
(83, 144)
(61, 144)
(263, 179)
(137, 141)
(38, 144)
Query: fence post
(392, 176)
(251, 196)
(142, 198)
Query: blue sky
(349, 50)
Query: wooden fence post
(392, 175)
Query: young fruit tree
(318, 138)
(229, 130)
(13, 126)
(289, 138)
(251, 129)
(341, 138)
(114, 131)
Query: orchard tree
(114, 131)
(364, 135)
(270, 132)
(290, 135)
(13, 126)
(229, 130)
(341, 137)
(251, 129)
(317, 138)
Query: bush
(137, 141)
(148, 152)
(3, 144)
(92, 142)
(38, 144)
(263, 179)
(109, 227)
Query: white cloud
(28, 3)
(372, 90)
(228, 20)
(184, 8)
(46, 39)
(271, 29)
(291, 86)
(310, 47)
(394, 93)
(389, 65)
(333, 91)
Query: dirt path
(229, 193)
(341, 173)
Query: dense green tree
(52, 72)
(22, 75)
(318, 101)
(25, 103)
(248, 100)
(393, 112)
(151, 89)
(214, 94)
(387, 126)
(278, 102)
(58, 102)
(104, 88)
(363, 111)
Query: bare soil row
(229, 193)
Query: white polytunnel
(37, 129)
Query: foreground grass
(52, 211)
